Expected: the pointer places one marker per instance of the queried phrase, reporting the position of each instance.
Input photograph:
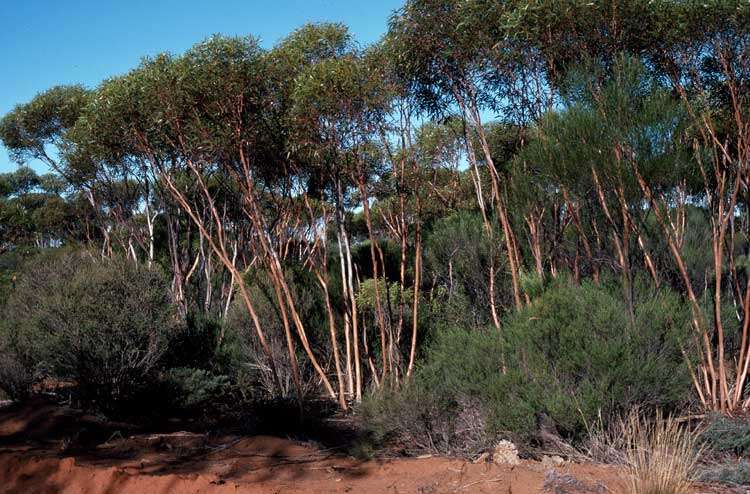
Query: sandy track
(270, 465)
(48, 449)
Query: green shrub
(11, 262)
(241, 352)
(577, 352)
(198, 365)
(195, 344)
(572, 354)
(735, 472)
(418, 420)
(15, 378)
(727, 439)
(458, 255)
(470, 366)
(730, 435)
(103, 323)
(194, 388)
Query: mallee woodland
(517, 221)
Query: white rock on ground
(505, 453)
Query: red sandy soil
(45, 448)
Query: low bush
(195, 388)
(195, 343)
(572, 355)
(576, 352)
(727, 435)
(735, 472)
(15, 378)
(242, 353)
(105, 324)
(417, 421)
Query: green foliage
(632, 120)
(104, 324)
(282, 144)
(469, 364)
(732, 472)
(195, 343)
(22, 180)
(28, 129)
(242, 353)
(32, 209)
(10, 263)
(459, 253)
(194, 388)
(569, 356)
(577, 347)
(361, 256)
(438, 46)
(312, 43)
(725, 434)
(390, 294)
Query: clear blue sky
(50, 42)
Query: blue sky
(50, 42)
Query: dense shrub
(195, 343)
(576, 352)
(105, 324)
(15, 377)
(727, 435)
(11, 263)
(727, 443)
(191, 388)
(458, 256)
(241, 351)
(570, 355)
(198, 366)
(735, 472)
(419, 419)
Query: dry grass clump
(660, 454)
(605, 442)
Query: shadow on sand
(43, 443)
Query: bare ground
(46, 448)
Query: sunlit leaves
(29, 128)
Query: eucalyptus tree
(637, 151)
(453, 60)
(706, 60)
(21, 181)
(47, 129)
(33, 211)
(116, 188)
(585, 152)
(115, 143)
(337, 115)
(16, 222)
(162, 113)
(221, 114)
(420, 181)
(564, 34)
(38, 129)
(315, 62)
